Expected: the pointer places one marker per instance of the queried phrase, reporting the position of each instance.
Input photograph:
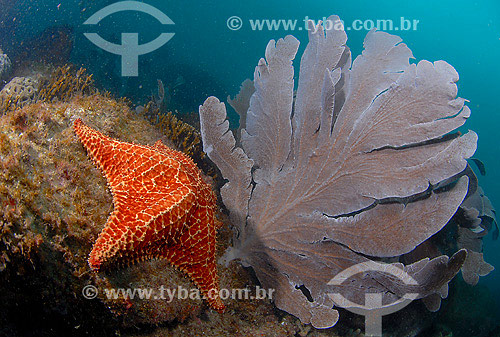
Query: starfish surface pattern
(162, 209)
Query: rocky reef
(54, 200)
(54, 203)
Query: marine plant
(64, 83)
(361, 164)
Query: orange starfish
(162, 209)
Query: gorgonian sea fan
(345, 170)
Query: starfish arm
(100, 148)
(107, 246)
(195, 255)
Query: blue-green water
(213, 59)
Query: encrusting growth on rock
(162, 209)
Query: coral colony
(348, 169)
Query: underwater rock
(19, 92)
(344, 171)
(5, 67)
(54, 203)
